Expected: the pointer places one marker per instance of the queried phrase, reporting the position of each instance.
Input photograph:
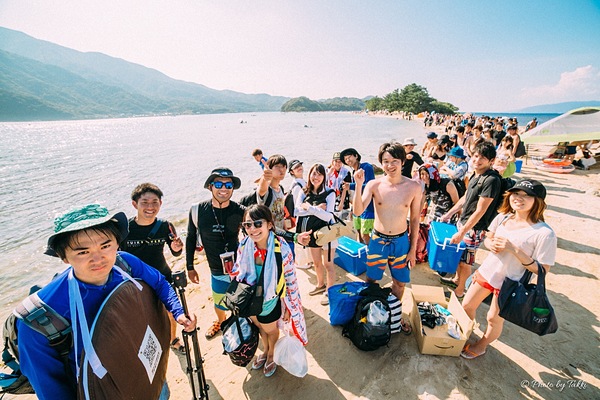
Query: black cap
(293, 164)
(531, 187)
(223, 173)
(431, 135)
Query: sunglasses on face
(219, 185)
(257, 224)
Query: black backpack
(252, 197)
(288, 201)
(43, 319)
(364, 335)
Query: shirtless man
(395, 198)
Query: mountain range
(40, 80)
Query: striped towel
(396, 308)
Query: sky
(481, 56)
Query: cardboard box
(436, 341)
(443, 256)
(351, 256)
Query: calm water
(48, 167)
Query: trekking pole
(195, 369)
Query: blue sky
(479, 55)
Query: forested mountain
(40, 80)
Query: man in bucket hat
(87, 238)
(216, 222)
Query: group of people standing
(386, 212)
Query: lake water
(49, 167)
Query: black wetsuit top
(150, 251)
(219, 229)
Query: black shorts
(272, 316)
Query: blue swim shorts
(384, 251)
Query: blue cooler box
(351, 255)
(443, 256)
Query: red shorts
(485, 284)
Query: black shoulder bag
(245, 300)
(527, 305)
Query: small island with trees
(412, 98)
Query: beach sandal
(259, 362)
(448, 282)
(213, 330)
(179, 350)
(405, 327)
(270, 369)
(469, 354)
(317, 290)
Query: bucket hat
(82, 218)
(457, 152)
(222, 173)
(409, 142)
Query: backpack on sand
(42, 318)
(361, 330)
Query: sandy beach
(519, 364)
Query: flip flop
(180, 350)
(213, 330)
(268, 372)
(317, 290)
(469, 354)
(448, 282)
(259, 362)
(405, 327)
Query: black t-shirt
(408, 164)
(219, 230)
(489, 185)
(150, 251)
(498, 136)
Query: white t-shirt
(538, 241)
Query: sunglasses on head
(257, 224)
(219, 185)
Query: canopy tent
(576, 125)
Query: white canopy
(576, 125)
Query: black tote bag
(526, 304)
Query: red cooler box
(443, 256)
(351, 255)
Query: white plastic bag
(291, 354)
(377, 314)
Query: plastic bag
(377, 314)
(291, 354)
(231, 337)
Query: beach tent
(576, 125)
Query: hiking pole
(180, 282)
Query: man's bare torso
(392, 203)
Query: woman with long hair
(505, 160)
(532, 242)
(262, 249)
(440, 193)
(314, 207)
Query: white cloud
(581, 84)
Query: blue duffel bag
(342, 301)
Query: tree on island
(412, 98)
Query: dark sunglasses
(257, 224)
(219, 185)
